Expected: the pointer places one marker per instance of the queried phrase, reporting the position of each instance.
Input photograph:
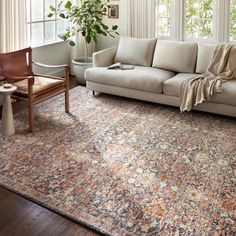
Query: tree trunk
(85, 50)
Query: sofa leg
(93, 93)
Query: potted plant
(87, 21)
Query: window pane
(191, 28)
(206, 9)
(49, 31)
(62, 25)
(233, 31)
(191, 9)
(205, 29)
(49, 3)
(164, 27)
(163, 12)
(233, 20)
(46, 29)
(37, 33)
(199, 19)
(164, 8)
(37, 10)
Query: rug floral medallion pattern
(126, 167)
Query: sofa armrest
(104, 57)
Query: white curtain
(141, 18)
(13, 25)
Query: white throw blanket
(200, 88)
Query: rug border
(57, 211)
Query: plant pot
(79, 66)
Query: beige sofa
(160, 68)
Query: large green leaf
(72, 43)
(114, 27)
(62, 15)
(68, 5)
(105, 27)
(52, 8)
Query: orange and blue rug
(126, 167)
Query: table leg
(7, 117)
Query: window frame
(221, 24)
(30, 23)
(172, 13)
(199, 39)
(227, 21)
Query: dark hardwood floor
(20, 217)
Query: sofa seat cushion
(228, 96)
(135, 51)
(175, 56)
(171, 87)
(140, 78)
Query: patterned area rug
(126, 167)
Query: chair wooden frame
(17, 66)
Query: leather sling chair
(16, 68)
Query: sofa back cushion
(175, 56)
(204, 56)
(232, 60)
(135, 51)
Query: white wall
(105, 42)
(52, 54)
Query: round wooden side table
(7, 114)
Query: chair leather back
(18, 63)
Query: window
(195, 20)
(232, 26)
(199, 19)
(41, 29)
(163, 14)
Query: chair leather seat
(40, 84)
